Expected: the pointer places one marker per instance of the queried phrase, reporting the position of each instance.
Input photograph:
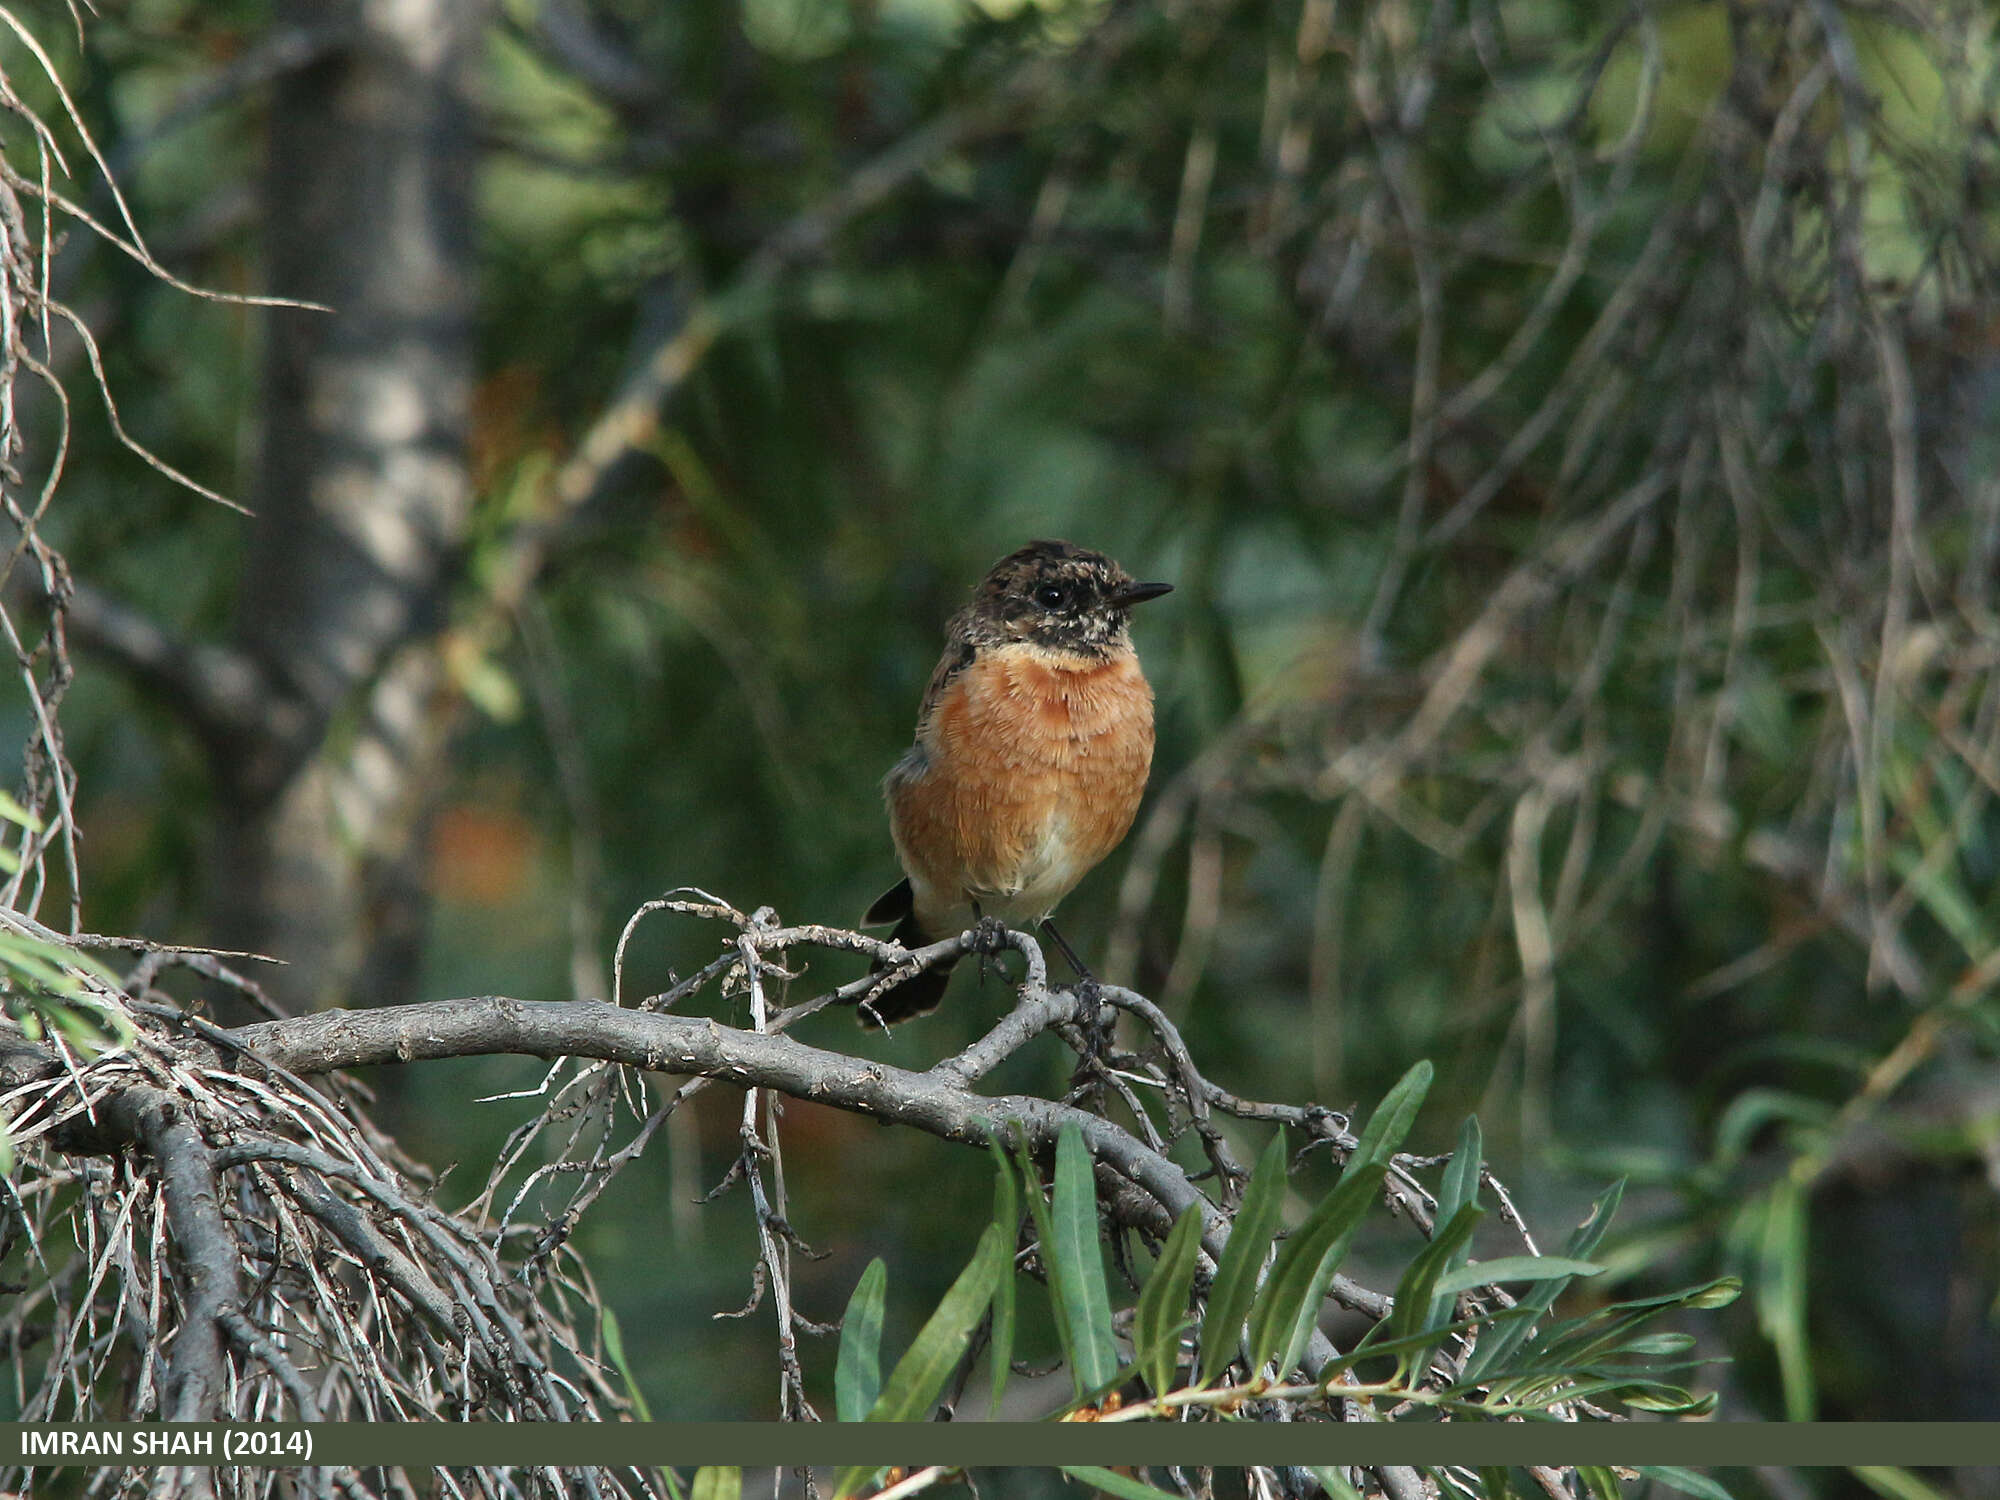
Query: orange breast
(1033, 768)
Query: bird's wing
(892, 905)
(958, 654)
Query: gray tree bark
(362, 498)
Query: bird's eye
(1051, 596)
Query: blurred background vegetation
(1571, 430)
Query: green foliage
(1496, 1362)
(614, 1348)
(1238, 1272)
(42, 983)
(857, 1378)
(1159, 1315)
(1349, 399)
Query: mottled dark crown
(1057, 595)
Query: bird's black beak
(1139, 593)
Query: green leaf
(614, 1346)
(1086, 1301)
(920, 1375)
(1372, 1347)
(1781, 1294)
(1667, 1400)
(1601, 1482)
(1235, 1284)
(1113, 1483)
(1287, 1308)
(1460, 1184)
(1753, 1109)
(1894, 1483)
(1459, 1187)
(1496, 1482)
(1393, 1118)
(1687, 1481)
(1161, 1314)
(1654, 1345)
(1045, 1235)
(1007, 1215)
(1333, 1482)
(718, 1484)
(1513, 1268)
(1492, 1352)
(1416, 1291)
(13, 812)
(857, 1373)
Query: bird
(1032, 750)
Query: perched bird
(1032, 750)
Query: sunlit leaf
(1687, 1481)
(1393, 1118)
(1242, 1258)
(1162, 1309)
(1111, 1482)
(614, 1347)
(920, 1375)
(1513, 1268)
(1007, 1216)
(1086, 1301)
(857, 1373)
(1287, 1308)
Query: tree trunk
(362, 495)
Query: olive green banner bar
(1004, 1444)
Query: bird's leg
(1094, 1019)
(1077, 965)
(990, 940)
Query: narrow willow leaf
(1753, 1109)
(1601, 1482)
(1654, 1345)
(1781, 1295)
(1497, 1484)
(852, 1478)
(614, 1336)
(1242, 1258)
(1667, 1400)
(1006, 1214)
(1086, 1302)
(1392, 1118)
(1372, 1346)
(1459, 1187)
(1334, 1482)
(718, 1484)
(1045, 1235)
(13, 812)
(1492, 1352)
(920, 1375)
(1287, 1307)
(1416, 1292)
(1514, 1268)
(1460, 1184)
(1718, 1293)
(857, 1373)
(1113, 1483)
(1162, 1309)
(1687, 1481)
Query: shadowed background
(1570, 436)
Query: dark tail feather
(916, 996)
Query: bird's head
(1058, 596)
